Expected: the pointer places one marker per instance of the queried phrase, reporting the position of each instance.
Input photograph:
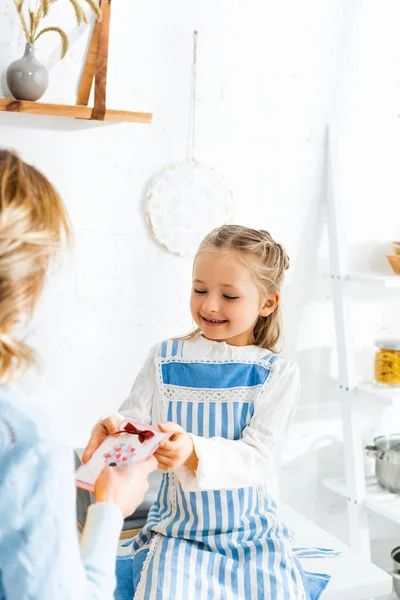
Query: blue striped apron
(219, 544)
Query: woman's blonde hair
(266, 260)
(33, 223)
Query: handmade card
(134, 442)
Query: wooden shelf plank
(71, 111)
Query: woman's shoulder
(24, 430)
(17, 425)
(35, 466)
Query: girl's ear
(269, 305)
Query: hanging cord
(192, 134)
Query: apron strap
(315, 552)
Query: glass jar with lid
(387, 362)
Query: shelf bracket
(96, 65)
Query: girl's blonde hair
(33, 223)
(266, 260)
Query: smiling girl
(228, 398)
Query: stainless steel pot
(386, 450)
(396, 583)
(396, 570)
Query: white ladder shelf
(361, 495)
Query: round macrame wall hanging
(187, 200)
(185, 203)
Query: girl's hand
(178, 450)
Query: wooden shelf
(377, 500)
(71, 111)
(95, 69)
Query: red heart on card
(107, 456)
(124, 459)
(117, 449)
(118, 456)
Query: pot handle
(378, 453)
(371, 450)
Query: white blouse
(224, 463)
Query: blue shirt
(40, 557)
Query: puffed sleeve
(139, 403)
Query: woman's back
(40, 557)
(39, 547)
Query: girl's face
(225, 302)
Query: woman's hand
(100, 431)
(124, 486)
(178, 450)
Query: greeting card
(134, 442)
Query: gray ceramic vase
(27, 78)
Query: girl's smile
(213, 322)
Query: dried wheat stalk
(63, 35)
(31, 23)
